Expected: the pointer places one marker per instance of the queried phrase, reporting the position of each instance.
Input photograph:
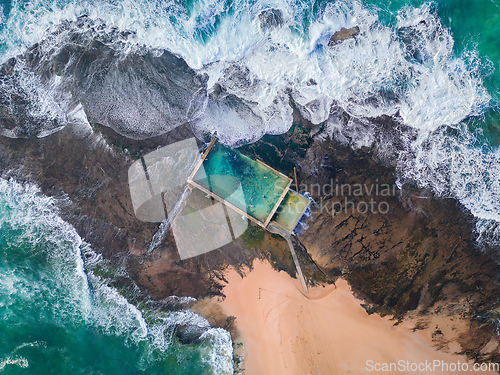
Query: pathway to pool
(274, 229)
(252, 189)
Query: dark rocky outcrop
(189, 334)
(413, 38)
(270, 19)
(343, 34)
(89, 63)
(419, 257)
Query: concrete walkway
(274, 229)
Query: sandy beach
(326, 332)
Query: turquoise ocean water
(475, 25)
(57, 316)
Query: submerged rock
(343, 34)
(270, 19)
(413, 38)
(140, 96)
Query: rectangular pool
(252, 187)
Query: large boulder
(270, 19)
(138, 92)
(343, 34)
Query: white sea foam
(376, 74)
(454, 166)
(30, 345)
(34, 217)
(40, 106)
(408, 69)
(113, 314)
(72, 289)
(180, 300)
(216, 347)
(18, 361)
(440, 89)
(220, 352)
(488, 233)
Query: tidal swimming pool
(224, 171)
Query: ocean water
(57, 316)
(433, 66)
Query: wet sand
(326, 332)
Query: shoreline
(421, 256)
(287, 332)
(431, 259)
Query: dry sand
(326, 332)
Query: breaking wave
(230, 68)
(45, 283)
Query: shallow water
(291, 210)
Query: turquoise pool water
(225, 169)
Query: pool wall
(286, 210)
(264, 186)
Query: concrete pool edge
(264, 223)
(278, 203)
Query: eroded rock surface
(343, 34)
(136, 92)
(414, 254)
(418, 259)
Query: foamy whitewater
(245, 72)
(407, 70)
(46, 286)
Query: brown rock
(343, 34)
